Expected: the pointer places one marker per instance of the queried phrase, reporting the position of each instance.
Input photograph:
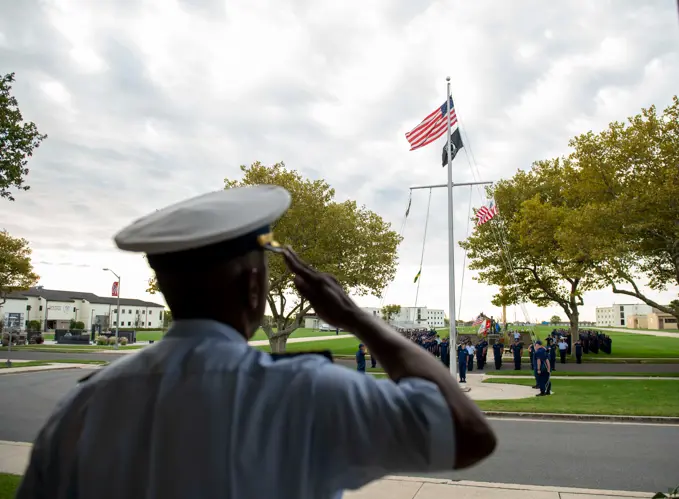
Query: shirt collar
(193, 328)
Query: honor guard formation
(203, 414)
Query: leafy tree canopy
(16, 270)
(18, 139)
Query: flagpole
(451, 246)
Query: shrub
(79, 325)
(112, 340)
(122, 340)
(101, 340)
(34, 325)
(39, 339)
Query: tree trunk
(575, 333)
(278, 342)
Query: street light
(118, 309)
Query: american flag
(479, 320)
(485, 213)
(432, 127)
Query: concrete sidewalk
(397, 487)
(52, 366)
(14, 458)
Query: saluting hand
(323, 291)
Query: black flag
(457, 145)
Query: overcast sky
(148, 102)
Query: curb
(583, 417)
(49, 368)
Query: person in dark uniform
(470, 356)
(517, 350)
(373, 360)
(485, 352)
(552, 354)
(479, 355)
(497, 355)
(360, 358)
(444, 348)
(462, 360)
(542, 368)
(578, 352)
(531, 354)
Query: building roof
(72, 296)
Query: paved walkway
(14, 458)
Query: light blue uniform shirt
(201, 414)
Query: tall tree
(555, 319)
(522, 250)
(389, 311)
(626, 181)
(349, 241)
(18, 139)
(16, 270)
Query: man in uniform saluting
(201, 414)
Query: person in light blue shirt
(201, 414)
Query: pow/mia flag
(456, 146)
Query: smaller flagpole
(451, 245)
(424, 243)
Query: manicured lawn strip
(9, 485)
(576, 374)
(658, 397)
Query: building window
(115, 323)
(40, 307)
(122, 311)
(115, 310)
(137, 312)
(130, 310)
(129, 323)
(150, 312)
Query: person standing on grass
(360, 359)
(470, 356)
(462, 361)
(563, 349)
(497, 354)
(578, 352)
(517, 351)
(542, 367)
(202, 414)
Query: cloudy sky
(148, 102)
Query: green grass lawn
(579, 374)
(34, 363)
(659, 397)
(9, 485)
(344, 346)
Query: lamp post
(117, 309)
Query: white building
(414, 317)
(617, 315)
(55, 309)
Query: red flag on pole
(114, 289)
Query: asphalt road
(590, 455)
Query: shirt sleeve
(366, 427)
